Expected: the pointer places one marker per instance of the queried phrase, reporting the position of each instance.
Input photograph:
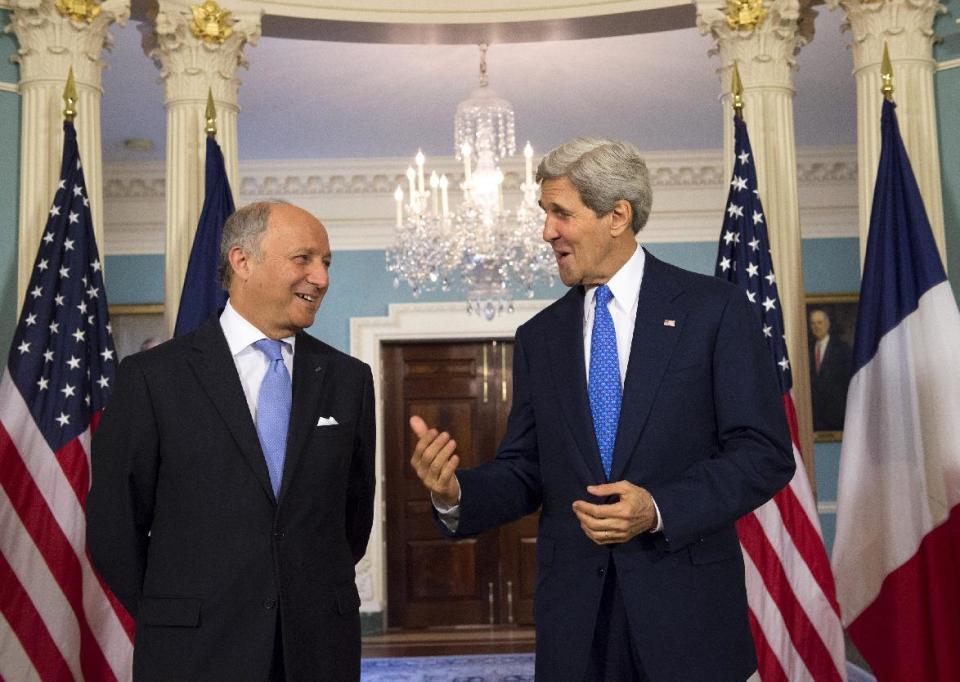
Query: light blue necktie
(604, 388)
(273, 410)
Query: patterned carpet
(485, 668)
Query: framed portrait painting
(831, 324)
(136, 327)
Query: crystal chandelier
(492, 252)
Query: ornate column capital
(199, 47)
(762, 37)
(905, 25)
(53, 36)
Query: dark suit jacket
(183, 525)
(828, 387)
(702, 427)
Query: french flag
(896, 558)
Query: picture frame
(136, 327)
(833, 315)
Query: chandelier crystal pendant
(492, 252)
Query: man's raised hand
(435, 462)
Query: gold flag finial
(211, 114)
(736, 88)
(886, 75)
(70, 97)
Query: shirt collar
(241, 334)
(625, 283)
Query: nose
(549, 231)
(319, 275)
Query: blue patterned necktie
(273, 410)
(604, 386)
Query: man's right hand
(435, 462)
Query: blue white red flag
(897, 551)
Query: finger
(448, 470)
(418, 425)
(442, 456)
(605, 489)
(597, 511)
(421, 447)
(433, 444)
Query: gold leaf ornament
(78, 10)
(745, 14)
(210, 23)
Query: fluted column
(906, 26)
(763, 39)
(50, 43)
(196, 49)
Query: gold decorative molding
(83, 11)
(210, 23)
(745, 14)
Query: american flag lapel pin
(669, 323)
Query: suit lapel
(310, 370)
(215, 370)
(565, 344)
(653, 344)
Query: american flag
(794, 615)
(60, 622)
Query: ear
(621, 218)
(240, 263)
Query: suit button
(269, 604)
(278, 534)
(601, 572)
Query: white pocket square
(327, 421)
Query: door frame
(413, 322)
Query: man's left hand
(620, 521)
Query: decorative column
(763, 39)
(906, 26)
(53, 36)
(197, 50)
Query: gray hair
(244, 228)
(604, 172)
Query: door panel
(465, 389)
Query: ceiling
(304, 98)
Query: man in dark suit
(830, 363)
(646, 420)
(230, 503)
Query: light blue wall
(9, 188)
(947, 92)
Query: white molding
(413, 322)
(10, 87)
(354, 197)
(948, 64)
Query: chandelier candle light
(492, 252)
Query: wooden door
(464, 388)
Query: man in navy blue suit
(646, 420)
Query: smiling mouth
(308, 298)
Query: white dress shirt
(251, 364)
(625, 287)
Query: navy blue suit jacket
(183, 524)
(701, 427)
